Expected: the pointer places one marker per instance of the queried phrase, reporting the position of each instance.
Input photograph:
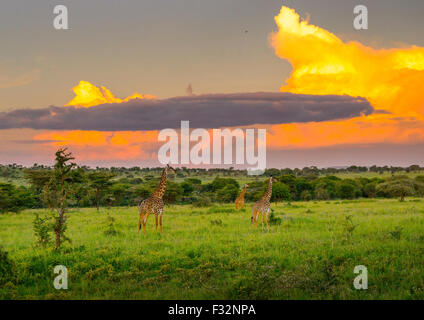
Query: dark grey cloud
(203, 111)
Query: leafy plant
(349, 227)
(396, 233)
(111, 229)
(58, 190)
(7, 267)
(273, 220)
(42, 226)
(202, 202)
(217, 222)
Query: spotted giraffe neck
(243, 191)
(268, 193)
(160, 190)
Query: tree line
(86, 187)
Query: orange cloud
(390, 79)
(88, 95)
(323, 64)
(104, 145)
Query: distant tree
(173, 192)
(99, 183)
(118, 191)
(400, 186)
(321, 193)
(280, 192)
(228, 194)
(188, 188)
(38, 179)
(140, 193)
(306, 195)
(11, 199)
(220, 183)
(193, 181)
(346, 190)
(370, 189)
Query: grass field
(214, 253)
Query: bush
(348, 189)
(202, 202)
(280, 192)
(227, 194)
(273, 220)
(11, 199)
(7, 267)
(111, 229)
(397, 187)
(42, 227)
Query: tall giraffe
(240, 199)
(154, 204)
(262, 206)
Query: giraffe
(262, 206)
(240, 199)
(154, 204)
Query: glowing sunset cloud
(88, 95)
(391, 79)
(104, 145)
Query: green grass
(214, 253)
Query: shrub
(217, 222)
(227, 194)
(396, 233)
(202, 202)
(273, 220)
(280, 192)
(110, 226)
(11, 199)
(42, 227)
(349, 227)
(7, 267)
(397, 187)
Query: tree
(58, 190)
(173, 192)
(228, 193)
(397, 187)
(99, 182)
(118, 191)
(346, 190)
(280, 192)
(11, 199)
(370, 189)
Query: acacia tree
(399, 188)
(57, 191)
(100, 183)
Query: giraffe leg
(160, 223)
(236, 205)
(156, 222)
(263, 219)
(257, 218)
(146, 216)
(140, 220)
(267, 216)
(242, 204)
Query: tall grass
(215, 253)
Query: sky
(228, 51)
